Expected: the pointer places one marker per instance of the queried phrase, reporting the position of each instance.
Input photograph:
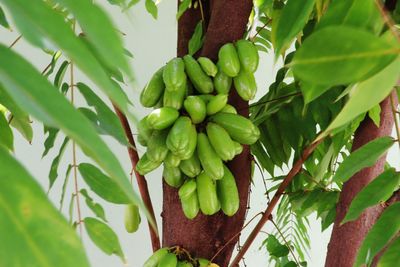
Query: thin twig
(387, 19)
(15, 41)
(260, 29)
(202, 15)
(274, 201)
(142, 184)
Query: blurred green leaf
(53, 174)
(183, 6)
(6, 135)
(30, 223)
(275, 248)
(93, 206)
(197, 39)
(391, 257)
(58, 78)
(50, 139)
(151, 7)
(375, 115)
(3, 19)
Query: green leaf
(39, 16)
(197, 40)
(108, 121)
(64, 186)
(42, 100)
(6, 135)
(23, 125)
(391, 257)
(375, 115)
(103, 237)
(385, 228)
(377, 191)
(95, 207)
(3, 19)
(151, 7)
(183, 6)
(30, 223)
(60, 74)
(325, 59)
(365, 95)
(312, 91)
(293, 18)
(101, 184)
(275, 248)
(53, 174)
(363, 157)
(51, 138)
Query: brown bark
(205, 235)
(346, 239)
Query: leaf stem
(15, 42)
(396, 122)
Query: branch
(142, 184)
(267, 213)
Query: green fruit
(221, 141)
(188, 153)
(190, 205)
(229, 109)
(199, 79)
(238, 148)
(229, 60)
(162, 118)
(228, 194)
(196, 108)
(169, 260)
(209, 159)
(239, 128)
(132, 218)
(206, 98)
(207, 194)
(144, 132)
(191, 167)
(248, 55)
(145, 165)
(208, 66)
(179, 138)
(174, 74)
(222, 83)
(203, 262)
(172, 160)
(184, 264)
(173, 176)
(187, 189)
(155, 259)
(216, 103)
(157, 148)
(245, 85)
(153, 91)
(174, 99)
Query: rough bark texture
(346, 239)
(205, 235)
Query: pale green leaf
(6, 135)
(151, 7)
(3, 19)
(31, 225)
(23, 125)
(363, 157)
(377, 191)
(375, 115)
(53, 174)
(197, 39)
(96, 208)
(391, 257)
(339, 55)
(385, 228)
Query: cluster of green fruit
(193, 130)
(176, 257)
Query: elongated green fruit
(222, 83)
(248, 55)
(187, 189)
(174, 74)
(245, 85)
(229, 60)
(162, 118)
(157, 148)
(190, 206)
(199, 79)
(239, 128)
(153, 91)
(196, 108)
(221, 141)
(206, 98)
(188, 153)
(144, 132)
(203, 262)
(210, 161)
(184, 264)
(174, 99)
(208, 66)
(172, 160)
(216, 103)
(207, 194)
(191, 167)
(238, 148)
(132, 218)
(155, 259)
(182, 138)
(173, 176)
(145, 165)
(169, 260)
(229, 109)
(228, 194)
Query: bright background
(153, 43)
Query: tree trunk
(226, 22)
(347, 239)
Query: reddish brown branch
(142, 184)
(267, 213)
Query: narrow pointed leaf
(6, 135)
(3, 19)
(391, 257)
(53, 174)
(96, 208)
(50, 139)
(151, 7)
(196, 41)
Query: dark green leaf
(385, 228)
(290, 264)
(312, 91)
(391, 256)
(53, 174)
(363, 157)
(95, 207)
(51, 138)
(30, 223)
(275, 248)
(64, 186)
(104, 237)
(377, 191)
(101, 184)
(196, 42)
(6, 135)
(151, 7)
(3, 19)
(60, 74)
(183, 6)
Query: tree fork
(225, 21)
